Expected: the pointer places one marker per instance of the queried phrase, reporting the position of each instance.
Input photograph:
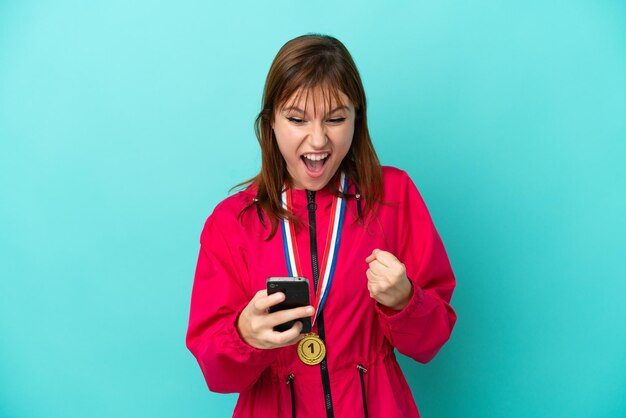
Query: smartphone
(296, 290)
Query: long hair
(302, 64)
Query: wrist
(408, 294)
(240, 326)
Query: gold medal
(311, 349)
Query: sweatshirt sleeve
(425, 324)
(228, 363)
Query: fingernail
(309, 310)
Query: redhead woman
(322, 208)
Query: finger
(378, 268)
(386, 258)
(377, 285)
(372, 256)
(371, 287)
(291, 336)
(372, 277)
(263, 303)
(286, 315)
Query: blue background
(123, 123)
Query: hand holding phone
(255, 324)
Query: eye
(295, 120)
(336, 120)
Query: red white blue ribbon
(331, 249)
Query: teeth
(315, 157)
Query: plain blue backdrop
(122, 124)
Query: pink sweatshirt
(234, 263)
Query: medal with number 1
(311, 349)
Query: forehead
(319, 99)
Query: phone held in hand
(296, 290)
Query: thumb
(372, 256)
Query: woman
(380, 271)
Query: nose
(317, 136)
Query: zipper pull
(293, 393)
(310, 198)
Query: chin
(316, 187)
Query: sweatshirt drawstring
(293, 394)
(258, 211)
(362, 371)
(358, 205)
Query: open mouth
(315, 162)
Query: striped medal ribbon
(331, 249)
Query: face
(312, 138)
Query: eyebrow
(297, 109)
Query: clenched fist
(387, 280)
